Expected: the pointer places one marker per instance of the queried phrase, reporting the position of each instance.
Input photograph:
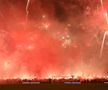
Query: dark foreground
(55, 87)
(49, 84)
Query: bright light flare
(25, 75)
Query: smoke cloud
(45, 38)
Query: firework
(106, 32)
(27, 7)
(102, 45)
(52, 40)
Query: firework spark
(102, 45)
(27, 7)
(102, 4)
(106, 32)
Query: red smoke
(55, 39)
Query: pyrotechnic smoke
(52, 38)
